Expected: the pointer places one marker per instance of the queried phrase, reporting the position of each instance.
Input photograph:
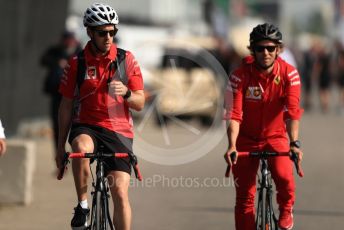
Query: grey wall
(27, 28)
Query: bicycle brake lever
(133, 162)
(296, 161)
(228, 170)
(137, 172)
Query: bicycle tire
(107, 215)
(272, 217)
(103, 213)
(259, 207)
(262, 211)
(97, 211)
(268, 212)
(101, 223)
(93, 212)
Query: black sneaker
(79, 221)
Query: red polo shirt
(262, 103)
(97, 106)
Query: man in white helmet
(102, 117)
(2, 140)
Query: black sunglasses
(103, 33)
(262, 48)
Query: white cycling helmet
(99, 14)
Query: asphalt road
(195, 195)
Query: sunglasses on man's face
(260, 49)
(103, 33)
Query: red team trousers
(245, 175)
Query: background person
(2, 140)
(55, 59)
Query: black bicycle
(265, 215)
(100, 214)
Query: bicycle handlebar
(65, 161)
(95, 156)
(293, 156)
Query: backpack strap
(119, 65)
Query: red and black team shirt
(262, 103)
(97, 106)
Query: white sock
(84, 204)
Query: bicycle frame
(266, 218)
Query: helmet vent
(102, 16)
(94, 18)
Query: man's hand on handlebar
(231, 156)
(59, 157)
(298, 152)
(296, 156)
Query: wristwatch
(296, 144)
(127, 94)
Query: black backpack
(117, 65)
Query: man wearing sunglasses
(102, 116)
(264, 116)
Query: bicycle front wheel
(263, 211)
(98, 221)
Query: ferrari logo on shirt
(277, 79)
(253, 93)
(91, 72)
